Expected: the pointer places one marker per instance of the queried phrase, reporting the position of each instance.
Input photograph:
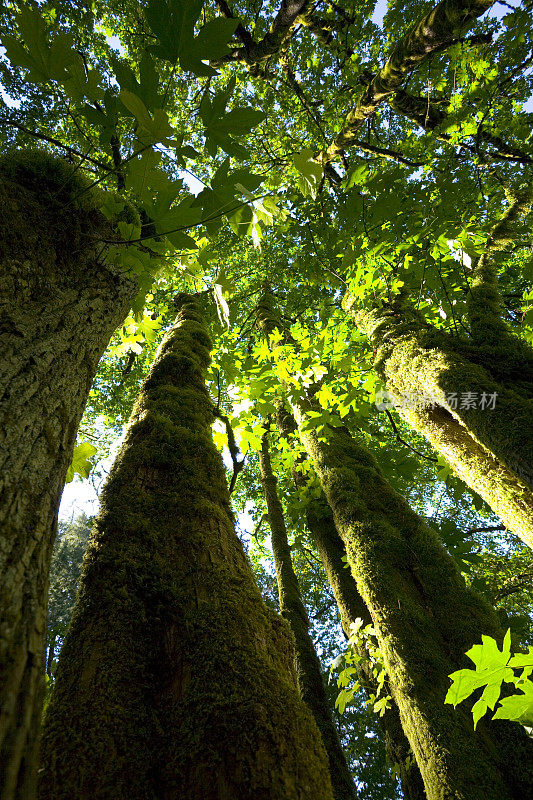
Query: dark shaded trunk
(321, 526)
(59, 304)
(292, 609)
(424, 615)
(175, 680)
(490, 449)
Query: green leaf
(221, 304)
(44, 62)
(241, 221)
(80, 463)
(518, 706)
(311, 172)
(226, 285)
(239, 120)
(173, 23)
(478, 710)
(156, 126)
(212, 41)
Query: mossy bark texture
(425, 620)
(424, 616)
(292, 609)
(59, 304)
(175, 680)
(491, 449)
(331, 549)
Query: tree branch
(245, 37)
(399, 438)
(280, 30)
(232, 447)
(71, 150)
(429, 117)
(434, 32)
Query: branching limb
(484, 302)
(232, 447)
(67, 148)
(486, 528)
(399, 438)
(515, 584)
(430, 117)
(434, 32)
(280, 31)
(244, 35)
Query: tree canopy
(369, 166)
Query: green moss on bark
(292, 609)
(425, 619)
(59, 305)
(413, 358)
(175, 679)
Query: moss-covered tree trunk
(59, 305)
(321, 526)
(292, 609)
(425, 620)
(490, 448)
(470, 396)
(175, 680)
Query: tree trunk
(175, 680)
(424, 616)
(321, 526)
(292, 609)
(59, 305)
(500, 489)
(425, 620)
(490, 449)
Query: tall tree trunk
(175, 680)
(425, 620)
(490, 449)
(59, 304)
(321, 526)
(500, 489)
(292, 609)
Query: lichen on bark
(59, 305)
(175, 680)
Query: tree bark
(424, 616)
(425, 620)
(331, 549)
(175, 680)
(500, 489)
(490, 449)
(59, 304)
(292, 609)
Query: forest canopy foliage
(368, 169)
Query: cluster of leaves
(410, 210)
(493, 667)
(65, 570)
(362, 651)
